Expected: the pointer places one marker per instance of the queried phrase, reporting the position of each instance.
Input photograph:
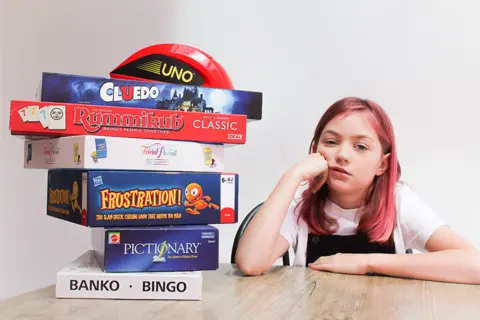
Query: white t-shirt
(416, 223)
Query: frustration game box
(97, 152)
(33, 118)
(113, 198)
(155, 249)
(78, 89)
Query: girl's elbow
(476, 271)
(471, 275)
(249, 268)
(476, 279)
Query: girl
(355, 216)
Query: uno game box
(113, 153)
(83, 278)
(68, 88)
(33, 118)
(155, 249)
(114, 198)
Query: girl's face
(353, 153)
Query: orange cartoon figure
(195, 199)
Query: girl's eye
(330, 142)
(362, 147)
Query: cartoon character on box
(74, 197)
(196, 199)
(76, 153)
(208, 157)
(75, 205)
(94, 156)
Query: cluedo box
(114, 198)
(35, 118)
(155, 249)
(69, 88)
(99, 152)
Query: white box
(97, 152)
(84, 279)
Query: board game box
(156, 249)
(83, 278)
(98, 152)
(79, 89)
(34, 118)
(113, 198)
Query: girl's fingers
(318, 182)
(320, 266)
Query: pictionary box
(83, 278)
(113, 198)
(34, 118)
(156, 249)
(100, 152)
(79, 89)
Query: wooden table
(283, 293)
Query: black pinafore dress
(327, 245)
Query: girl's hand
(343, 263)
(314, 169)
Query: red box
(35, 118)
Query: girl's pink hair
(379, 214)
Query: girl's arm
(261, 243)
(450, 259)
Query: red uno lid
(173, 63)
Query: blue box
(68, 88)
(115, 198)
(155, 249)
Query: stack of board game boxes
(142, 164)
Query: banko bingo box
(97, 198)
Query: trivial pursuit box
(97, 152)
(34, 118)
(67, 88)
(83, 278)
(109, 198)
(154, 249)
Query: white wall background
(419, 60)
